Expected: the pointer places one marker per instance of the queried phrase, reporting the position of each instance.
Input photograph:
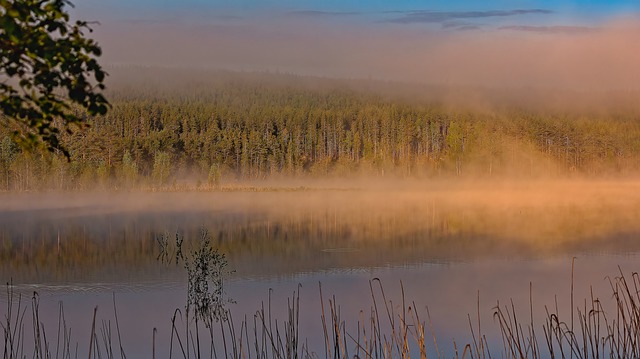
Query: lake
(449, 252)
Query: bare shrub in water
(206, 271)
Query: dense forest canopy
(173, 128)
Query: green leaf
(47, 56)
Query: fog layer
(514, 54)
(351, 225)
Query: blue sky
(578, 10)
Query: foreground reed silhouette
(588, 331)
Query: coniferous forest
(170, 130)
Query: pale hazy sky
(583, 43)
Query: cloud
(561, 29)
(425, 16)
(460, 26)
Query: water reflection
(449, 291)
(447, 246)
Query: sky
(584, 44)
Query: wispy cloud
(460, 26)
(426, 16)
(551, 29)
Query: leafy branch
(47, 66)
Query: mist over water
(296, 230)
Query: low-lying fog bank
(290, 227)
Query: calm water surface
(451, 251)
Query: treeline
(209, 134)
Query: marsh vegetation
(603, 325)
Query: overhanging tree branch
(47, 66)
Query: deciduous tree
(48, 69)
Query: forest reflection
(85, 237)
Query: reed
(595, 328)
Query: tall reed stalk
(384, 330)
